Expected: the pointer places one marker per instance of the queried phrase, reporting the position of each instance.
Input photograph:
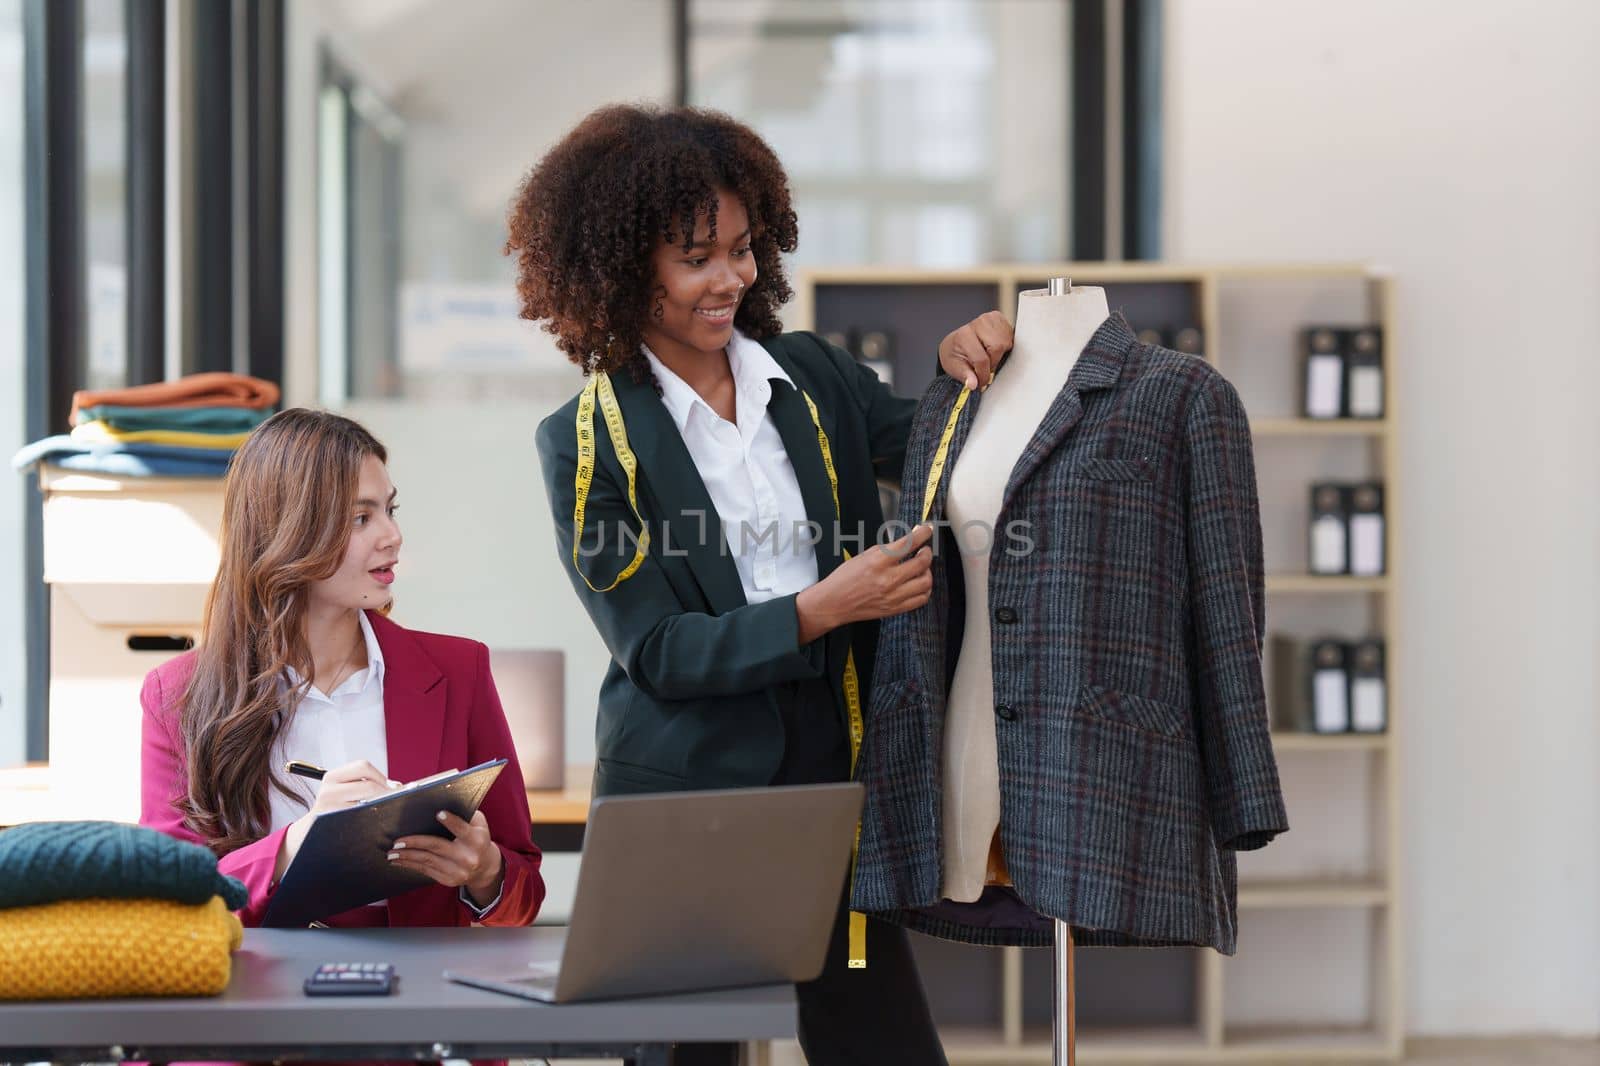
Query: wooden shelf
(1332, 892)
(1319, 427)
(568, 806)
(985, 1047)
(1292, 1043)
(1282, 742)
(1312, 583)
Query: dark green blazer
(687, 701)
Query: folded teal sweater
(46, 862)
(185, 419)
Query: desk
(264, 1013)
(560, 815)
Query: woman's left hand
(971, 353)
(471, 860)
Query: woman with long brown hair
(298, 660)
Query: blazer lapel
(414, 693)
(793, 421)
(792, 418)
(695, 528)
(1099, 366)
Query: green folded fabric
(47, 862)
(188, 419)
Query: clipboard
(344, 860)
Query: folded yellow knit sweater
(97, 948)
(100, 433)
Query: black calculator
(351, 979)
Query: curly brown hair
(587, 219)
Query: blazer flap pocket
(1139, 711)
(1115, 470)
(637, 776)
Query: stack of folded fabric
(100, 909)
(184, 428)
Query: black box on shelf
(839, 339)
(875, 345)
(1367, 529)
(1363, 380)
(1329, 549)
(875, 350)
(1310, 685)
(1189, 339)
(1322, 390)
(1369, 687)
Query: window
(13, 377)
(105, 130)
(927, 134)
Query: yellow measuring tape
(852, 702)
(941, 454)
(599, 389)
(599, 386)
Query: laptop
(691, 891)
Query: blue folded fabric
(121, 465)
(46, 862)
(125, 460)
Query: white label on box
(1330, 709)
(1324, 382)
(1327, 545)
(1366, 392)
(1367, 704)
(1366, 544)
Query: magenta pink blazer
(441, 711)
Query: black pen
(317, 773)
(305, 769)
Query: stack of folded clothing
(184, 428)
(100, 909)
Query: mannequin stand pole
(1066, 1012)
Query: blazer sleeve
(163, 781)
(1227, 604)
(888, 417)
(667, 652)
(505, 808)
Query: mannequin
(1051, 332)
(1112, 716)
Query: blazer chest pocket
(1141, 712)
(1114, 470)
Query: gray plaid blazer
(1135, 755)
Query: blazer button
(1005, 614)
(1005, 713)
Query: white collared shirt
(331, 729)
(747, 472)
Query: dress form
(1051, 331)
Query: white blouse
(747, 472)
(331, 729)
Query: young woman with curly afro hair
(714, 491)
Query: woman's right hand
(340, 787)
(884, 580)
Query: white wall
(1460, 144)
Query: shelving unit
(1250, 316)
